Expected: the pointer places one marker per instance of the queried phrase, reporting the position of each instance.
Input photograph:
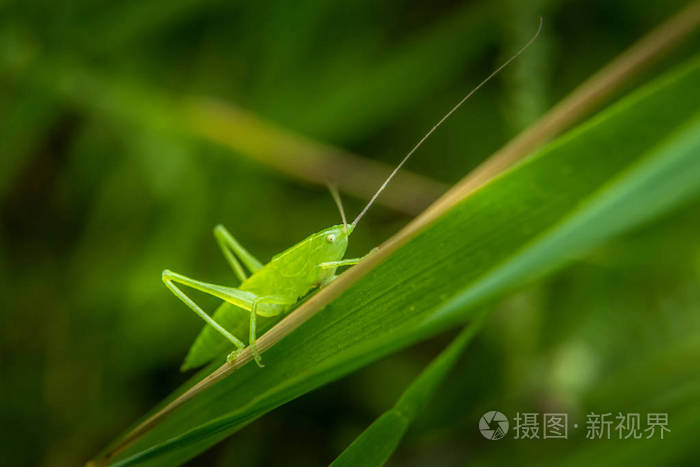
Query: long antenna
(445, 117)
(338, 202)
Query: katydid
(274, 288)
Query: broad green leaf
(630, 163)
(379, 441)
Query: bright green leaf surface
(630, 163)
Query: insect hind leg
(233, 250)
(234, 296)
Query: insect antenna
(338, 202)
(445, 117)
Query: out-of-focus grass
(94, 206)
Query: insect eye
(330, 238)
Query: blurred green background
(106, 178)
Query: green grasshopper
(273, 289)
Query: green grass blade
(632, 162)
(379, 441)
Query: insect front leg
(344, 262)
(234, 296)
(337, 264)
(253, 312)
(334, 265)
(231, 248)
